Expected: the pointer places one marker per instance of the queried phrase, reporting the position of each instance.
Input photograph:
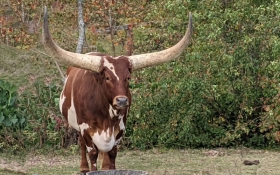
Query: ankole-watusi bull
(96, 99)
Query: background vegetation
(223, 91)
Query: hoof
(83, 172)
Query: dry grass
(202, 162)
(157, 162)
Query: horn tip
(190, 26)
(190, 16)
(45, 13)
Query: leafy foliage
(220, 92)
(12, 118)
(223, 91)
(10, 115)
(44, 121)
(34, 121)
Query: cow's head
(115, 76)
(116, 71)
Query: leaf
(14, 119)
(21, 120)
(7, 122)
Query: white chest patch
(104, 141)
(110, 66)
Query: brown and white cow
(96, 99)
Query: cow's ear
(101, 75)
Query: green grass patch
(23, 67)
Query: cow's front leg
(93, 154)
(109, 159)
(84, 163)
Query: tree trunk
(81, 23)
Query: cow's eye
(107, 78)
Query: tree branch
(111, 31)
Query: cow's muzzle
(120, 102)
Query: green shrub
(12, 118)
(31, 120)
(219, 92)
(10, 115)
(45, 125)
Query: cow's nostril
(122, 101)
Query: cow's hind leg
(109, 159)
(84, 163)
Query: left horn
(156, 58)
(70, 58)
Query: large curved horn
(156, 58)
(74, 59)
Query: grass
(21, 67)
(156, 162)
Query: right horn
(156, 58)
(70, 58)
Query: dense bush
(223, 91)
(12, 118)
(31, 120)
(45, 125)
(10, 115)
